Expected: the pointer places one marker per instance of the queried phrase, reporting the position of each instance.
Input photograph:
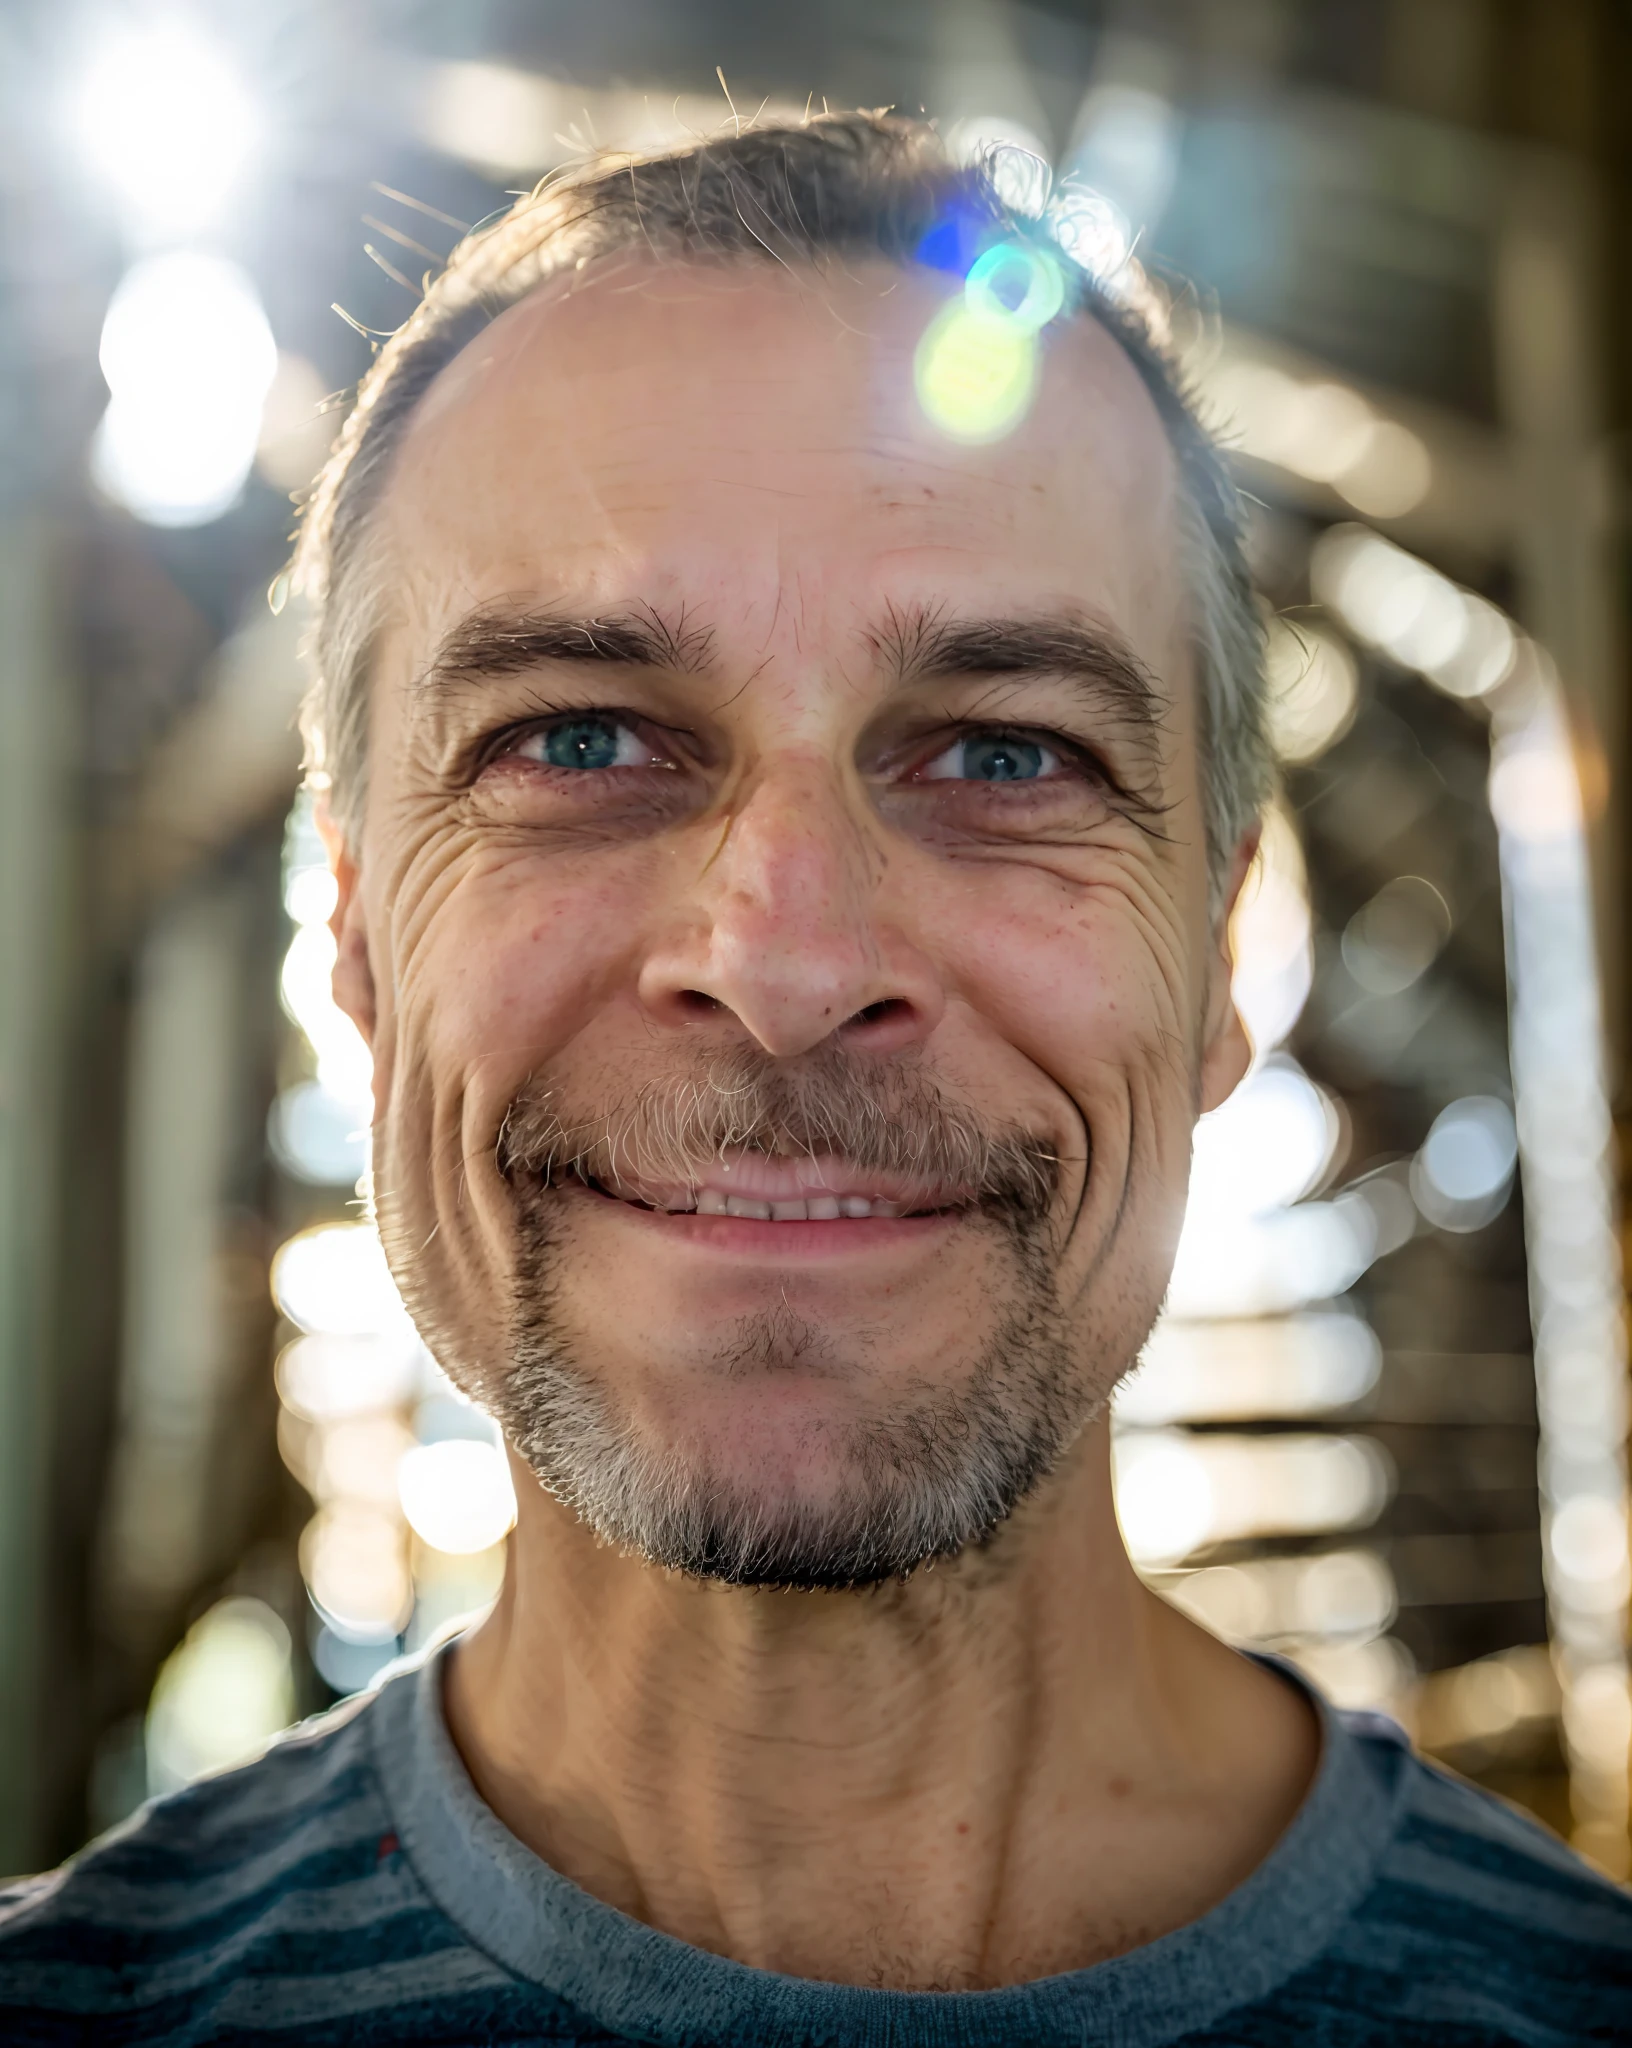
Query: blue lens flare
(955, 240)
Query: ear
(1226, 1051)
(353, 975)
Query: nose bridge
(785, 927)
(794, 948)
(796, 861)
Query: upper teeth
(808, 1209)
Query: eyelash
(1073, 761)
(1070, 755)
(508, 740)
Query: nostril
(696, 1004)
(878, 1013)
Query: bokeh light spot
(457, 1494)
(221, 1696)
(1313, 689)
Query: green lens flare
(975, 374)
(1011, 282)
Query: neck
(1015, 1764)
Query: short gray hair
(834, 188)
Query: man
(789, 759)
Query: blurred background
(1381, 1427)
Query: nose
(784, 928)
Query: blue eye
(585, 743)
(594, 740)
(992, 757)
(1002, 760)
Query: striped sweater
(351, 1887)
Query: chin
(781, 1460)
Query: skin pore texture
(728, 719)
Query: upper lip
(758, 1184)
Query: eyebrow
(504, 640)
(926, 645)
(914, 645)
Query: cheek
(1079, 975)
(1094, 985)
(500, 959)
(516, 956)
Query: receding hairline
(737, 273)
(833, 191)
(513, 330)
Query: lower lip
(843, 1237)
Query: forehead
(744, 436)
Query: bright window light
(344, 1065)
(332, 1281)
(1378, 1674)
(354, 1562)
(1390, 474)
(324, 1378)
(1127, 147)
(297, 431)
(1267, 1264)
(1176, 1493)
(1270, 937)
(1329, 427)
(1341, 1593)
(1598, 1721)
(318, 1137)
(1093, 233)
(1323, 431)
(1296, 1365)
(1266, 1147)
(1313, 690)
(1535, 789)
(1462, 644)
(1392, 941)
(221, 1696)
(165, 120)
(452, 1590)
(356, 1462)
(310, 895)
(1587, 1538)
(496, 116)
(188, 356)
(457, 1494)
(1471, 1149)
(973, 138)
(1461, 1176)
(347, 1666)
(1164, 1500)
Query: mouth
(812, 1209)
(755, 1187)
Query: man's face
(780, 916)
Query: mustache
(889, 1118)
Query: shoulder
(1479, 1927)
(1462, 1856)
(310, 1793)
(249, 1888)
